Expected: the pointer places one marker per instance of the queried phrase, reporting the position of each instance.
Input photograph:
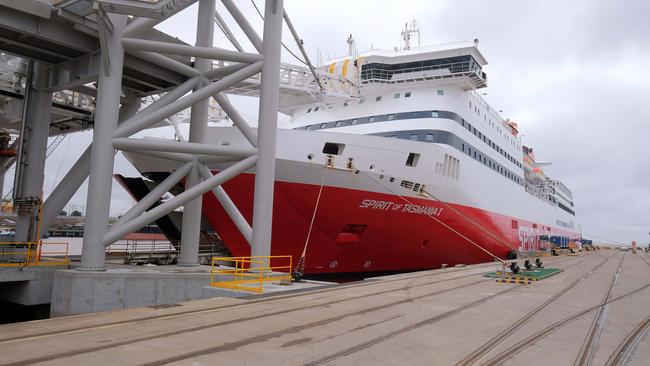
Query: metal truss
(214, 71)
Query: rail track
(484, 349)
(140, 321)
(624, 350)
(272, 297)
(593, 335)
(252, 301)
(524, 343)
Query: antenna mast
(408, 32)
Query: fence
(20, 254)
(249, 273)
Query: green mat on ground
(537, 273)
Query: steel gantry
(206, 79)
(106, 55)
(108, 49)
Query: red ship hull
(358, 231)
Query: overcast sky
(575, 75)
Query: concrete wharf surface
(440, 317)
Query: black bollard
(514, 268)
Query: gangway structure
(71, 65)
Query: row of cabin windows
(477, 110)
(490, 143)
(414, 115)
(448, 138)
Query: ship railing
(250, 273)
(33, 253)
(467, 69)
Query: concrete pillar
(191, 227)
(266, 132)
(102, 156)
(30, 167)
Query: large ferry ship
(415, 172)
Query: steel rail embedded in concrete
(433, 317)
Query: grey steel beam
(229, 206)
(39, 8)
(166, 100)
(191, 226)
(226, 31)
(102, 158)
(267, 130)
(166, 62)
(181, 158)
(64, 191)
(140, 25)
(245, 26)
(299, 42)
(157, 9)
(55, 33)
(214, 53)
(154, 195)
(30, 166)
(141, 122)
(133, 144)
(220, 72)
(73, 73)
(236, 118)
(77, 174)
(182, 199)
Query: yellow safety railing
(249, 273)
(32, 253)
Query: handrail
(32, 254)
(249, 273)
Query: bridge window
(323, 125)
(308, 128)
(371, 119)
(354, 121)
(391, 117)
(338, 123)
(429, 137)
(414, 137)
(435, 114)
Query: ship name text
(400, 207)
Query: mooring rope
(300, 266)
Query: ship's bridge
(459, 61)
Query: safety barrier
(249, 273)
(39, 253)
